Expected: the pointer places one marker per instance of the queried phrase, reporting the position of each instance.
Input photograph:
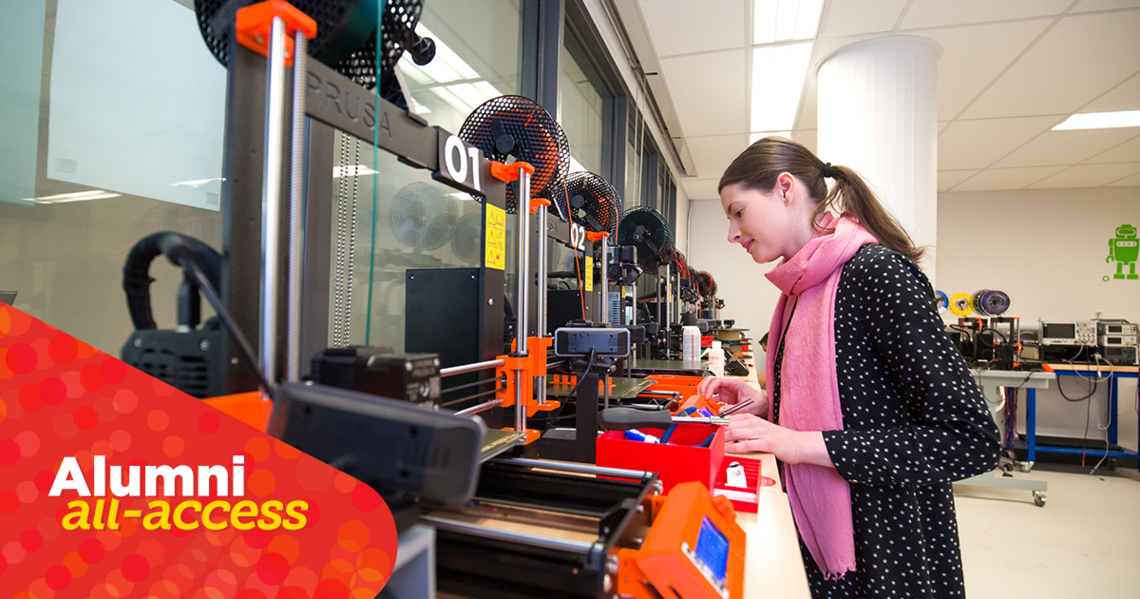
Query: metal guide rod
(668, 301)
(605, 280)
(271, 198)
(480, 407)
(465, 368)
(532, 540)
(575, 467)
(633, 299)
(540, 299)
(521, 300)
(296, 181)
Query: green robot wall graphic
(1125, 249)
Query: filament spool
(962, 304)
(941, 301)
(991, 302)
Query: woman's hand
(734, 391)
(747, 433)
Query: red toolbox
(676, 462)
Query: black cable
(1092, 382)
(589, 365)
(231, 325)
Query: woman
(869, 408)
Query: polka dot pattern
(60, 397)
(913, 422)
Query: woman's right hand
(733, 391)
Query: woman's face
(763, 224)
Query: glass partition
(103, 145)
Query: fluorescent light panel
(351, 170)
(785, 20)
(778, 74)
(78, 196)
(1101, 120)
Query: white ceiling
(1010, 71)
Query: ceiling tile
(1088, 175)
(708, 91)
(1090, 5)
(936, 13)
(1007, 178)
(1124, 97)
(676, 28)
(848, 17)
(948, 179)
(1133, 181)
(712, 155)
(1076, 61)
(973, 56)
(1064, 148)
(701, 189)
(978, 144)
(1128, 151)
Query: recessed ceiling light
(778, 74)
(783, 20)
(1101, 120)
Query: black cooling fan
(346, 35)
(647, 230)
(706, 284)
(423, 216)
(514, 126)
(594, 203)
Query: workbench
(1110, 372)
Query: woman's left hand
(748, 433)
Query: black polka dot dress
(913, 422)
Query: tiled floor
(1085, 542)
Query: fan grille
(539, 141)
(706, 283)
(602, 204)
(216, 17)
(646, 229)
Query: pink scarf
(809, 387)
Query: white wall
(1045, 248)
(748, 297)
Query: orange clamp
(510, 172)
(536, 202)
(255, 22)
(592, 236)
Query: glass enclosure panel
(421, 223)
(108, 145)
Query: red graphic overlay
(115, 485)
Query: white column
(878, 114)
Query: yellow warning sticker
(588, 275)
(496, 237)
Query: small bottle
(716, 359)
(690, 343)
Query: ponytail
(758, 166)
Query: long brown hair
(758, 166)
